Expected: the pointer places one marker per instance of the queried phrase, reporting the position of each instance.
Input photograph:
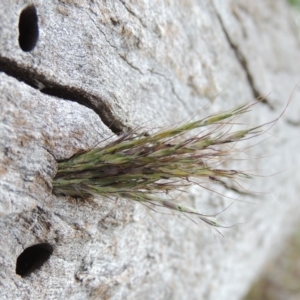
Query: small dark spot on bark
(114, 21)
(6, 151)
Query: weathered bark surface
(142, 63)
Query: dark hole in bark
(33, 258)
(28, 28)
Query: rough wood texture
(149, 63)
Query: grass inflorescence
(145, 168)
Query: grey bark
(101, 67)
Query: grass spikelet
(145, 168)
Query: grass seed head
(144, 168)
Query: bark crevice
(244, 64)
(65, 92)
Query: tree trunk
(75, 73)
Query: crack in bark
(244, 64)
(65, 92)
(123, 56)
(133, 13)
(171, 84)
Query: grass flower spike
(146, 168)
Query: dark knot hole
(28, 28)
(32, 258)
